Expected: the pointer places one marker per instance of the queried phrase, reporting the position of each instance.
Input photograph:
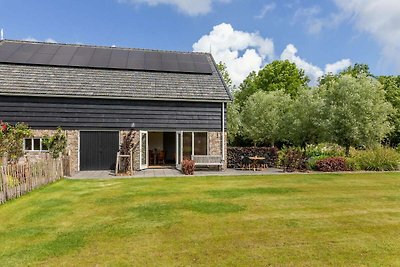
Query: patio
(171, 172)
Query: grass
(295, 220)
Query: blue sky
(244, 34)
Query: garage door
(98, 150)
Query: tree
(225, 75)
(356, 111)
(391, 86)
(263, 115)
(305, 121)
(246, 89)
(276, 76)
(355, 70)
(12, 139)
(233, 119)
(233, 122)
(281, 76)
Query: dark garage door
(98, 150)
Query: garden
(349, 121)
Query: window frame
(33, 145)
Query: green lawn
(296, 220)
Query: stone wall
(215, 147)
(72, 147)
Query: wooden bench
(208, 160)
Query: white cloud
(337, 66)
(266, 8)
(242, 52)
(380, 19)
(48, 40)
(191, 8)
(290, 53)
(312, 71)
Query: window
(200, 143)
(34, 144)
(195, 142)
(187, 145)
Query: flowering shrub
(188, 166)
(12, 139)
(292, 159)
(57, 143)
(335, 164)
(324, 149)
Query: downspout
(223, 132)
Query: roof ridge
(103, 46)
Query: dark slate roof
(24, 78)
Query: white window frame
(193, 143)
(32, 145)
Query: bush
(336, 164)
(312, 162)
(57, 143)
(12, 139)
(324, 150)
(292, 159)
(236, 154)
(188, 166)
(377, 159)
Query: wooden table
(255, 159)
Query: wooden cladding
(81, 113)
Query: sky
(319, 36)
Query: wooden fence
(18, 179)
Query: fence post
(61, 165)
(4, 179)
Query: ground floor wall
(73, 146)
(72, 149)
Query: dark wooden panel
(98, 150)
(79, 113)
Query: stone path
(170, 173)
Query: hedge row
(236, 154)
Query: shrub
(336, 164)
(324, 149)
(188, 166)
(236, 154)
(12, 139)
(377, 159)
(312, 162)
(292, 159)
(57, 143)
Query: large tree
(276, 76)
(225, 75)
(355, 70)
(356, 111)
(391, 85)
(305, 119)
(233, 117)
(262, 117)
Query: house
(174, 101)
